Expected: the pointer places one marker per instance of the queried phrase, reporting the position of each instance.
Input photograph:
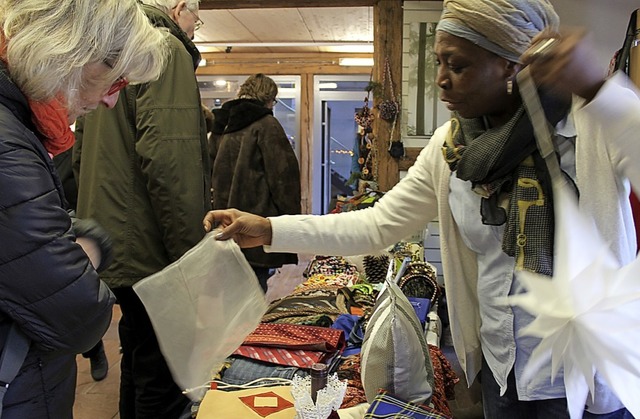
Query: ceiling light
(356, 62)
(327, 85)
(202, 63)
(220, 83)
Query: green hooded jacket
(142, 167)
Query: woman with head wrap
(483, 178)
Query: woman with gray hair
(482, 176)
(59, 59)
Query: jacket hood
(238, 114)
(160, 19)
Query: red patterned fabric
(445, 380)
(264, 411)
(291, 344)
(349, 370)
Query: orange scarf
(51, 120)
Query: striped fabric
(292, 345)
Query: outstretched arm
(248, 230)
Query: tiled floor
(99, 400)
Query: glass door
(337, 99)
(215, 90)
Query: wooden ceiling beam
(285, 4)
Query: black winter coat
(255, 169)
(47, 284)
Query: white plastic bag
(202, 307)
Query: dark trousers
(147, 389)
(94, 351)
(509, 407)
(263, 275)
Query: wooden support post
(387, 44)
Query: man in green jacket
(143, 173)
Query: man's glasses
(118, 85)
(199, 21)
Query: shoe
(99, 365)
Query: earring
(509, 86)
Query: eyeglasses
(118, 85)
(199, 22)
(275, 102)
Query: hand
(248, 230)
(566, 65)
(91, 248)
(95, 241)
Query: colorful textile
(386, 405)
(349, 370)
(444, 378)
(293, 345)
(330, 265)
(312, 306)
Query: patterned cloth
(386, 405)
(445, 379)
(504, 161)
(292, 345)
(314, 306)
(349, 370)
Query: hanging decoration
(365, 150)
(389, 110)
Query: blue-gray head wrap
(504, 27)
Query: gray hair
(49, 43)
(259, 87)
(167, 5)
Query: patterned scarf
(504, 162)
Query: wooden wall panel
(262, 4)
(388, 23)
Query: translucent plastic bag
(202, 307)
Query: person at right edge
(482, 176)
(147, 183)
(255, 168)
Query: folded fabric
(310, 306)
(387, 405)
(351, 325)
(297, 337)
(290, 357)
(244, 370)
(292, 345)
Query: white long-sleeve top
(607, 155)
